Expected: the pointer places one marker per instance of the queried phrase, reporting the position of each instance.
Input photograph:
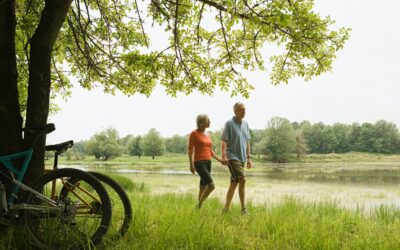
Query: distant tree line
(280, 140)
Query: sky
(364, 86)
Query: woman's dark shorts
(203, 169)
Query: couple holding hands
(235, 147)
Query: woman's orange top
(202, 146)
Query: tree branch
(226, 42)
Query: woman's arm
(215, 156)
(191, 167)
(190, 153)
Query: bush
(128, 185)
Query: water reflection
(127, 171)
(340, 176)
(357, 176)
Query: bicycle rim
(84, 215)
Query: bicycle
(54, 219)
(121, 205)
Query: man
(235, 147)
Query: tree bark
(41, 45)
(10, 117)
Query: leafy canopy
(211, 44)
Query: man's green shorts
(237, 170)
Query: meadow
(335, 201)
(165, 218)
(324, 202)
(169, 221)
(354, 180)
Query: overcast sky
(364, 86)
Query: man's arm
(224, 142)
(248, 155)
(223, 151)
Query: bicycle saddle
(46, 129)
(60, 147)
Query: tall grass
(171, 221)
(128, 185)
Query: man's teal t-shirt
(236, 135)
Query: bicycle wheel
(78, 219)
(120, 203)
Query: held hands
(224, 160)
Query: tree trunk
(10, 117)
(41, 45)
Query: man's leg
(229, 195)
(242, 182)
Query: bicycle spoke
(83, 216)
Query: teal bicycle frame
(18, 173)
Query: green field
(353, 180)
(348, 201)
(170, 221)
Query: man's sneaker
(245, 211)
(198, 206)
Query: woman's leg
(203, 168)
(210, 188)
(202, 189)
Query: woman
(201, 144)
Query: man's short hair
(237, 105)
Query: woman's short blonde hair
(201, 120)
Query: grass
(165, 218)
(170, 221)
(352, 157)
(128, 185)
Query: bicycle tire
(72, 228)
(120, 203)
(123, 197)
